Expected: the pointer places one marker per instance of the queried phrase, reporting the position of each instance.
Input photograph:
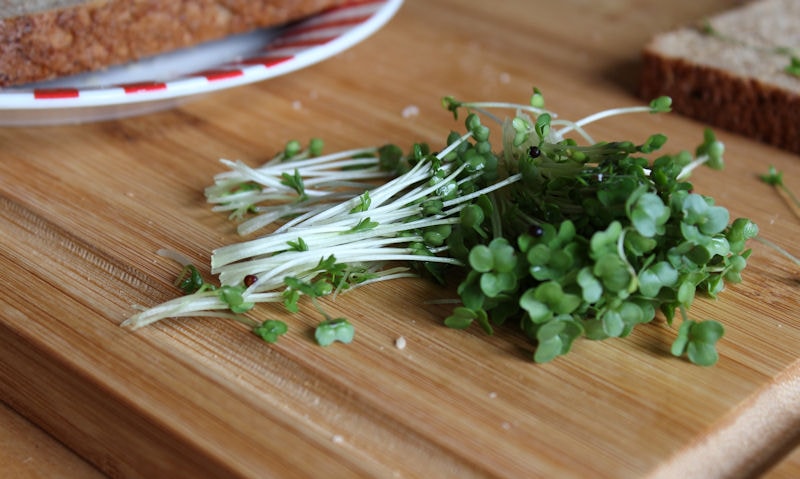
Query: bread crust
(101, 33)
(742, 105)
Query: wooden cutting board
(84, 208)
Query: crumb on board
(400, 343)
(410, 110)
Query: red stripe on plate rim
(55, 93)
(131, 88)
(216, 75)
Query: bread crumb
(297, 105)
(337, 439)
(505, 78)
(492, 395)
(400, 343)
(410, 111)
(506, 425)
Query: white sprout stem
(779, 250)
(317, 165)
(379, 278)
(307, 262)
(496, 186)
(263, 220)
(291, 165)
(324, 169)
(342, 178)
(421, 192)
(603, 114)
(269, 214)
(272, 182)
(420, 172)
(686, 171)
(377, 196)
(466, 136)
(248, 173)
(413, 176)
(481, 107)
(246, 199)
(276, 264)
(316, 238)
(254, 247)
(301, 218)
(188, 305)
(571, 126)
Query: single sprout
(270, 330)
(292, 149)
(775, 178)
(698, 341)
(709, 153)
(537, 99)
(662, 104)
(333, 330)
(315, 147)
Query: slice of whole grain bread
(731, 71)
(46, 39)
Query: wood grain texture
(84, 208)
(28, 452)
(787, 468)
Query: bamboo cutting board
(84, 209)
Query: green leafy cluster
(595, 240)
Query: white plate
(163, 81)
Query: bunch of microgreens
(566, 239)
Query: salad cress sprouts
(567, 239)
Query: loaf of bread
(733, 71)
(46, 39)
